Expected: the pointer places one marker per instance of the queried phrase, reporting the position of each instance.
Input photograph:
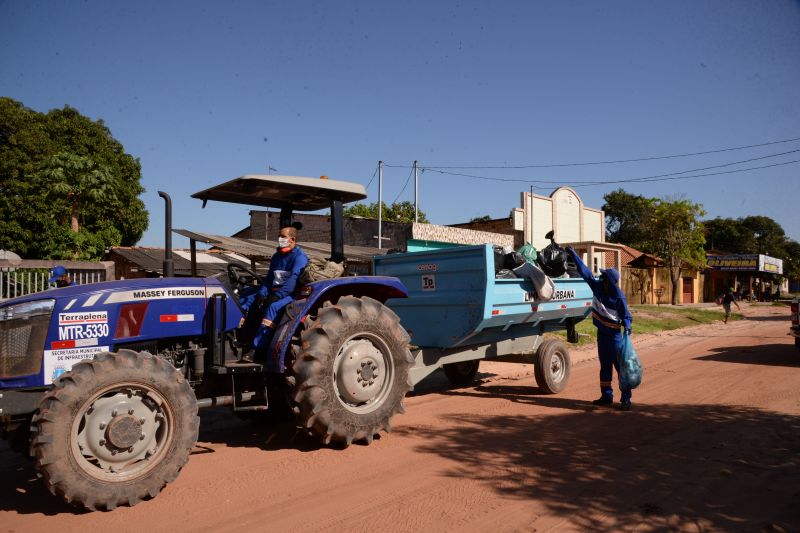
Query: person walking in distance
(727, 300)
(611, 317)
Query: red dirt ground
(713, 444)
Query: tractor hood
(296, 193)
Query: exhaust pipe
(169, 270)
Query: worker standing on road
(610, 315)
(285, 268)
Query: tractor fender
(380, 288)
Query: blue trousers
(261, 340)
(608, 347)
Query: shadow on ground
(672, 467)
(765, 354)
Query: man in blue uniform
(610, 316)
(61, 277)
(285, 268)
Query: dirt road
(713, 444)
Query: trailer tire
(352, 371)
(114, 430)
(552, 366)
(462, 373)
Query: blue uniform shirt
(284, 271)
(609, 311)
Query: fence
(32, 276)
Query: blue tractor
(104, 381)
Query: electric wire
(609, 162)
(694, 176)
(625, 180)
(374, 173)
(404, 186)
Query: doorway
(688, 290)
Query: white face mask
(284, 242)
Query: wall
(432, 232)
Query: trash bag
(505, 273)
(512, 260)
(528, 252)
(543, 285)
(553, 260)
(319, 269)
(630, 367)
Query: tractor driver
(285, 268)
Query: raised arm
(584, 271)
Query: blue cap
(57, 273)
(611, 274)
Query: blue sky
(202, 92)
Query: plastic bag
(630, 367)
(528, 252)
(553, 260)
(543, 285)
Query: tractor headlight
(23, 331)
(27, 310)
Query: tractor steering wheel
(237, 280)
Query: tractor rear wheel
(552, 365)
(462, 373)
(351, 371)
(114, 430)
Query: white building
(572, 223)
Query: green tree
(76, 180)
(791, 259)
(627, 218)
(677, 236)
(729, 235)
(397, 212)
(32, 214)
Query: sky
(202, 92)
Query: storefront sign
(746, 262)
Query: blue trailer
(457, 313)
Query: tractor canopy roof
(292, 192)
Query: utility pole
(416, 193)
(380, 202)
(530, 209)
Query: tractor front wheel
(115, 430)
(351, 371)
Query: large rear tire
(462, 373)
(552, 366)
(115, 430)
(351, 372)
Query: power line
(372, 178)
(695, 176)
(626, 180)
(611, 162)
(404, 185)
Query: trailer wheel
(114, 430)
(552, 365)
(462, 373)
(351, 372)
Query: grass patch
(653, 318)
